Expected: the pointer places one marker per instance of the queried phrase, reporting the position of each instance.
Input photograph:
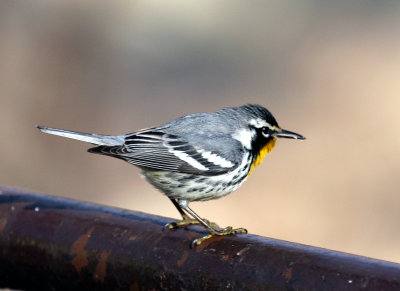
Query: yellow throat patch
(261, 155)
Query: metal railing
(50, 243)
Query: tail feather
(97, 139)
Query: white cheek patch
(245, 137)
(216, 160)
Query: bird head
(261, 131)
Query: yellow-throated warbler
(197, 157)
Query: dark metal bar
(49, 243)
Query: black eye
(265, 130)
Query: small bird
(197, 157)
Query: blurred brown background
(327, 69)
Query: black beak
(287, 134)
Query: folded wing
(162, 151)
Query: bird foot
(219, 232)
(186, 222)
(213, 228)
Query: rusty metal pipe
(50, 243)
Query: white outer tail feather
(97, 139)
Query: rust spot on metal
(183, 258)
(101, 268)
(78, 249)
(288, 273)
(3, 223)
(225, 257)
(134, 287)
(104, 216)
(205, 243)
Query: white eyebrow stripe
(215, 159)
(258, 123)
(188, 159)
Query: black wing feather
(155, 150)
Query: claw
(240, 230)
(198, 241)
(170, 226)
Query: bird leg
(212, 228)
(186, 219)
